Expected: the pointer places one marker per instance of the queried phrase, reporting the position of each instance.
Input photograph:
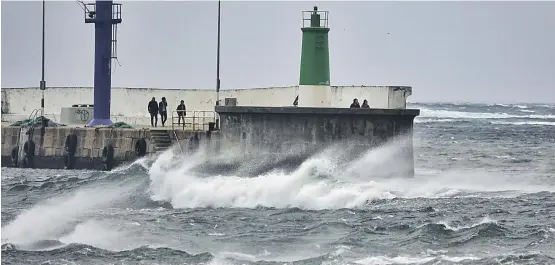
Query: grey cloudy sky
(448, 51)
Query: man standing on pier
(181, 113)
(153, 110)
(163, 109)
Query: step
(161, 137)
(160, 149)
(159, 134)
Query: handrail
(33, 116)
(34, 113)
(185, 119)
(199, 120)
(177, 139)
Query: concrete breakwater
(246, 132)
(254, 131)
(86, 148)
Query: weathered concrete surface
(49, 151)
(317, 111)
(253, 130)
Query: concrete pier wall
(254, 130)
(129, 105)
(246, 131)
(49, 150)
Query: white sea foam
(548, 123)
(386, 260)
(319, 183)
(431, 113)
(51, 218)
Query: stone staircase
(162, 140)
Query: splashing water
(489, 202)
(320, 182)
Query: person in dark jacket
(181, 113)
(355, 104)
(365, 104)
(153, 110)
(163, 109)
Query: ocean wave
(479, 105)
(453, 114)
(459, 121)
(447, 235)
(320, 182)
(86, 254)
(546, 123)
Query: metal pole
(218, 61)
(42, 82)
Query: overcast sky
(447, 51)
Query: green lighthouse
(314, 81)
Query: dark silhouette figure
(153, 110)
(163, 109)
(365, 104)
(355, 104)
(181, 113)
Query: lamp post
(218, 60)
(42, 82)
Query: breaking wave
(321, 182)
(144, 255)
(82, 212)
(431, 113)
(496, 114)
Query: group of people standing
(155, 108)
(356, 105)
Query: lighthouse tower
(106, 15)
(314, 81)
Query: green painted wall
(315, 61)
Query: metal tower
(106, 16)
(314, 81)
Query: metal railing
(195, 120)
(177, 140)
(321, 18)
(34, 114)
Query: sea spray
(313, 185)
(51, 218)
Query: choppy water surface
(484, 193)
